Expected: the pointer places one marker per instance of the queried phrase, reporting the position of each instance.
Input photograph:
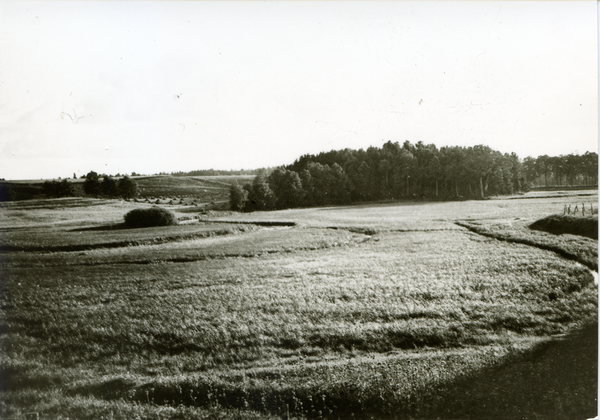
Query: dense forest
(408, 171)
(564, 170)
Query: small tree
(260, 194)
(92, 185)
(287, 187)
(237, 197)
(127, 187)
(109, 187)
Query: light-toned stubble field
(383, 311)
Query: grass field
(392, 311)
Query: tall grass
(363, 321)
(407, 292)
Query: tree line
(214, 172)
(108, 187)
(394, 171)
(563, 170)
(95, 185)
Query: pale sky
(167, 86)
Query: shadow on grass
(574, 225)
(118, 226)
(557, 380)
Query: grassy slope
(206, 188)
(202, 189)
(321, 320)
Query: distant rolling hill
(203, 188)
(199, 189)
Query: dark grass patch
(54, 203)
(17, 377)
(555, 379)
(559, 224)
(392, 339)
(116, 226)
(267, 223)
(356, 229)
(558, 380)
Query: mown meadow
(394, 311)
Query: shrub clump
(154, 216)
(558, 224)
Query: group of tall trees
(58, 189)
(94, 185)
(564, 170)
(124, 187)
(392, 171)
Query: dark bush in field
(155, 216)
(557, 224)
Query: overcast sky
(159, 86)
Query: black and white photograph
(299, 210)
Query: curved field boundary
(532, 242)
(45, 203)
(223, 256)
(118, 244)
(257, 223)
(220, 255)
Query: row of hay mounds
(173, 201)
